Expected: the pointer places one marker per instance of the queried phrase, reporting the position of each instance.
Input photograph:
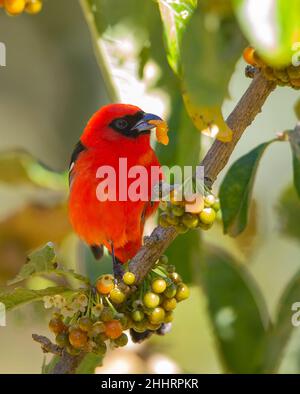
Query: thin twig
(47, 345)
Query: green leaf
(211, 46)
(72, 274)
(184, 253)
(237, 310)
(297, 108)
(89, 363)
(294, 138)
(47, 368)
(282, 329)
(42, 260)
(273, 28)
(21, 296)
(175, 16)
(288, 211)
(236, 190)
(19, 167)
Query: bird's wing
(79, 148)
(97, 251)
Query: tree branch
(47, 345)
(214, 161)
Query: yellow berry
(157, 315)
(117, 296)
(34, 7)
(207, 216)
(209, 200)
(183, 292)
(151, 300)
(169, 317)
(169, 304)
(129, 278)
(159, 285)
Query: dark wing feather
(97, 251)
(79, 147)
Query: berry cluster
(99, 316)
(287, 76)
(198, 212)
(16, 7)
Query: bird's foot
(118, 270)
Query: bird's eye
(121, 124)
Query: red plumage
(102, 144)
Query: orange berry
(78, 338)
(14, 7)
(56, 325)
(248, 55)
(113, 329)
(105, 284)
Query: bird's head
(119, 122)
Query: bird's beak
(144, 125)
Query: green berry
(157, 315)
(129, 278)
(121, 341)
(170, 291)
(163, 205)
(181, 228)
(163, 260)
(177, 210)
(158, 285)
(171, 268)
(183, 292)
(216, 206)
(205, 227)
(207, 216)
(140, 326)
(163, 222)
(172, 219)
(97, 328)
(209, 200)
(107, 314)
(62, 339)
(100, 349)
(137, 315)
(190, 220)
(85, 324)
(175, 277)
(72, 351)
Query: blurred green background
(49, 89)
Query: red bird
(115, 131)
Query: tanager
(114, 132)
